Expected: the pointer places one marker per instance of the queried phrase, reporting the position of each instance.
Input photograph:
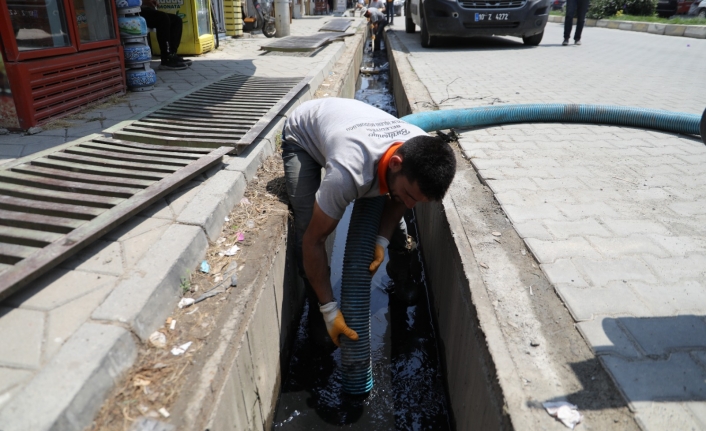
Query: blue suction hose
(675, 122)
(355, 293)
(365, 219)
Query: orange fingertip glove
(380, 246)
(335, 324)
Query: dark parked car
(667, 8)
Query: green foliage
(600, 9)
(185, 284)
(640, 7)
(278, 141)
(673, 20)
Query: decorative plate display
(141, 79)
(137, 53)
(132, 25)
(127, 3)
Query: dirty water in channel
(409, 390)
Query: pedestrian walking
(377, 4)
(366, 152)
(576, 8)
(390, 11)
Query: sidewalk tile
(585, 227)
(626, 246)
(668, 299)
(102, 257)
(550, 251)
(58, 287)
(499, 186)
(605, 336)
(79, 376)
(581, 211)
(659, 336)
(680, 245)
(616, 298)
(677, 268)
(63, 321)
(602, 272)
(21, 332)
(634, 226)
(11, 380)
(689, 208)
(532, 229)
(664, 415)
(541, 212)
(678, 378)
(563, 272)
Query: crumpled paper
(180, 350)
(565, 412)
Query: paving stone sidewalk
(69, 335)
(615, 216)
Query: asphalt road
(611, 66)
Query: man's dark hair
(430, 162)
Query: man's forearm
(391, 215)
(316, 268)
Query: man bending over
(365, 152)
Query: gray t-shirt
(375, 15)
(348, 138)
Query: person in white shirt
(366, 152)
(377, 24)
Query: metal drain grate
(304, 43)
(337, 25)
(232, 111)
(54, 203)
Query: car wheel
(533, 40)
(409, 26)
(428, 41)
(702, 13)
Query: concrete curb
(693, 31)
(213, 202)
(97, 354)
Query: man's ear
(395, 163)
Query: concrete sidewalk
(614, 217)
(68, 336)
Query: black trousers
(379, 33)
(576, 8)
(390, 12)
(168, 27)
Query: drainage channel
(409, 391)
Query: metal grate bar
(54, 203)
(232, 111)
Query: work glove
(380, 245)
(335, 325)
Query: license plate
(492, 16)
